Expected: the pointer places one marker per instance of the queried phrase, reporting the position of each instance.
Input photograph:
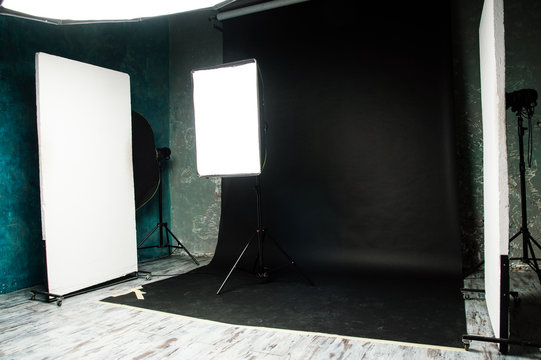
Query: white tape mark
(137, 291)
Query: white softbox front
(227, 125)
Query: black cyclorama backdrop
(359, 177)
(360, 170)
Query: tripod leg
(168, 244)
(535, 265)
(182, 246)
(146, 237)
(292, 262)
(516, 235)
(536, 243)
(235, 265)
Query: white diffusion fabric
(86, 173)
(226, 109)
(496, 192)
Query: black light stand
(262, 271)
(522, 103)
(164, 154)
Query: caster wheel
(148, 277)
(33, 297)
(59, 302)
(466, 344)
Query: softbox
(226, 110)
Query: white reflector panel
(86, 173)
(495, 184)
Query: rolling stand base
(467, 339)
(49, 297)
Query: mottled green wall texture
(469, 131)
(195, 202)
(523, 70)
(139, 49)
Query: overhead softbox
(226, 110)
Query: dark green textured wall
(523, 70)
(139, 49)
(469, 131)
(196, 202)
(20, 227)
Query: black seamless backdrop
(360, 172)
(359, 177)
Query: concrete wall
(195, 202)
(467, 107)
(523, 51)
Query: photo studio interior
(344, 167)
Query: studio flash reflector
(227, 128)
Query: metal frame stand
(504, 312)
(163, 226)
(467, 339)
(262, 271)
(528, 254)
(505, 294)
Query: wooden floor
(85, 328)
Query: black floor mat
(419, 310)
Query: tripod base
(527, 247)
(168, 245)
(262, 271)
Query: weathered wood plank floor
(84, 328)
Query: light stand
(262, 271)
(522, 103)
(164, 154)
